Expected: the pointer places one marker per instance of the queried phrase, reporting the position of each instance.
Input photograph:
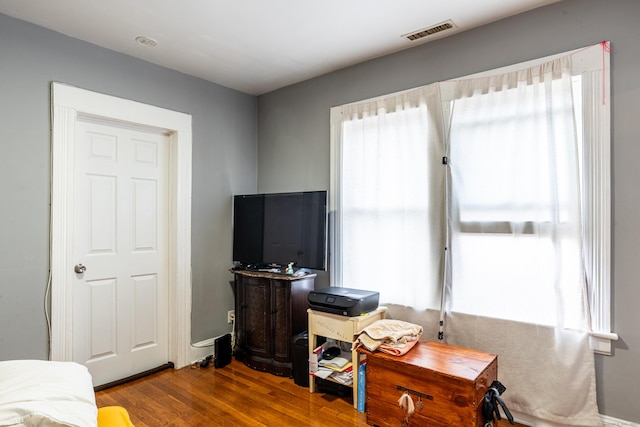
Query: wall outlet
(231, 316)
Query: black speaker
(222, 351)
(300, 360)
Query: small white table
(340, 328)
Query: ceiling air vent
(443, 26)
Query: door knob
(79, 268)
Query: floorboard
(231, 396)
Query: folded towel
(390, 336)
(397, 349)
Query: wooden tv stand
(270, 309)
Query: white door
(120, 229)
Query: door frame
(69, 103)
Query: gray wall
(293, 124)
(224, 163)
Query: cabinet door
(257, 317)
(281, 318)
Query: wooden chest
(446, 383)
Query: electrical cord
(203, 363)
(47, 315)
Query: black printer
(343, 301)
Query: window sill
(600, 342)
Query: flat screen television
(276, 229)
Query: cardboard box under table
(446, 384)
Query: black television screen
(280, 228)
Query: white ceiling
(257, 46)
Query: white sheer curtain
(390, 220)
(515, 217)
(517, 276)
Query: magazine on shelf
(339, 363)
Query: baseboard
(614, 422)
(607, 421)
(201, 349)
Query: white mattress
(37, 393)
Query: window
(391, 198)
(519, 221)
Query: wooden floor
(231, 396)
